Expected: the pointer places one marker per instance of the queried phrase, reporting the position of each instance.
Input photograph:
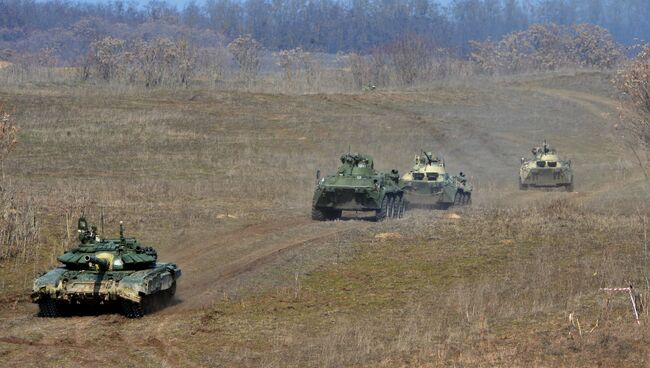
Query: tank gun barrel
(102, 263)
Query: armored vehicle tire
(522, 186)
(569, 187)
(383, 210)
(397, 204)
(48, 308)
(458, 199)
(390, 211)
(324, 214)
(467, 199)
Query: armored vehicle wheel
(397, 203)
(466, 198)
(569, 188)
(390, 210)
(48, 308)
(383, 210)
(522, 186)
(400, 206)
(458, 199)
(132, 310)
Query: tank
(545, 170)
(357, 186)
(428, 184)
(99, 271)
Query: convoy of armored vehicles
(106, 271)
(123, 272)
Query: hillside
(221, 183)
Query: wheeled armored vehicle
(545, 170)
(429, 185)
(357, 186)
(106, 271)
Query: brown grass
(494, 287)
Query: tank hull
(91, 287)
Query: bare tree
(247, 53)
(633, 80)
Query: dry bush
(247, 52)
(159, 62)
(633, 81)
(548, 47)
(18, 227)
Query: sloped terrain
(221, 184)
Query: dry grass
(494, 287)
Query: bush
(548, 47)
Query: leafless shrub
(106, 57)
(152, 63)
(548, 47)
(247, 53)
(411, 58)
(18, 228)
(8, 133)
(633, 81)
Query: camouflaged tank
(106, 271)
(358, 187)
(429, 185)
(545, 170)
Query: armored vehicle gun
(358, 187)
(429, 185)
(545, 170)
(106, 271)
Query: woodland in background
(68, 28)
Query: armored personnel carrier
(106, 271)
(545, 170)
(429, 185)
(358, 187)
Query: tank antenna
(122, 231)
(102, 221)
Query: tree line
(331, 26)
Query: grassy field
(221, 183)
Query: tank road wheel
(318, 214)
(48, 308)
(383, 210)
(390, 210)
(132, 310)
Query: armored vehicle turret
(106, 271)
(545, 170)
(429, 185)
(357, 186)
